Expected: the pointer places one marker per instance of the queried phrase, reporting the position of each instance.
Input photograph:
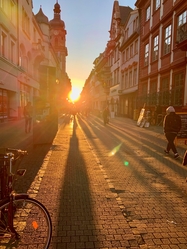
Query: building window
(126, 81)
(156, 4)
(117, 76)
(182, 19)
(13, 12)
(155, 48)
(131, 50)
(148, 13)
(136, 47)
(178, 90)
(130, 79)
(135, 24)
(123, 57)
(127, 54)
(123, 81)
(116, 54)
(3, 44)
(146, 56)
(135, 77)
(12, 52)
(3, 104)
(25, 22)
(182, 27)
(167, 40)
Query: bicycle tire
(31, 221)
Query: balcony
(182, 37)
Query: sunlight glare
(75, 93)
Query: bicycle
(24, 221)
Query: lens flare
(35, 225)
(115, 150)
(126, 163)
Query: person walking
(28, 112)
(106, 115)
(171, 126)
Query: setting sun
(75, 93)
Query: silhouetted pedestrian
(171, 125)
(28, 113)
(106, 115)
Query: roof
(56, 21)
(124, 13)
(41, 18)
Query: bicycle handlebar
(11, 153)
(21, 152)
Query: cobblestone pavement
(151, 188)
(84, 211)
(69, 179)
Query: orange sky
(87, 26)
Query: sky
(87, 23)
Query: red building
(163, 53)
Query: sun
(75, 94)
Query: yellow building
(29, 50)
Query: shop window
(178, 90)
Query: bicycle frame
(12, 203)
(6, 175)
(10, 199)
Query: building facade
(163, 65)
(129, 65)
(26, 48)
(107, 66)
(145, 58)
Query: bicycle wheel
(31, 222)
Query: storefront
(3, 105)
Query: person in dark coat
(28, 113)
(106, 116)
(171, 125)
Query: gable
(120, 15)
